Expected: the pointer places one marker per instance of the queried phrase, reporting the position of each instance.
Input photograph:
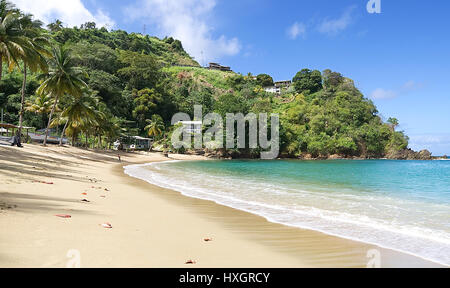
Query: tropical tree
(62, 78)
(11, 37)
(307, 80)
(55, 26)
(103, 116)
(79, 113)
(40, 104)
(393, 123)
(264, 80)
(113, 129)
(155, 127)
(146, 103)
(33, 56)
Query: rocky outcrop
(409, 154)
(405, 154)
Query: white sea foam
(346, 215)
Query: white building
(138, 143)
(194, 127)
(273, 89)
(278, 86)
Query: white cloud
(297, 29)
(430, 139)
(381, 93)
(70, 12)
(186, 20)
(439, 144)
(334, 26)
(412, 85)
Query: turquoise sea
(401, 205)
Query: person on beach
(16, 140)
(118, 156)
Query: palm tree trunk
(50, 120)
(1, 66)
(43, 120)
(22, 101)
(62, 133)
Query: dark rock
(409, 154)
(424, 155)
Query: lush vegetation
(94, 86)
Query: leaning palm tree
(62, 78)
(11, 37)
(155, 127)
(33, 56)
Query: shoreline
(152, 226)
(415, 259)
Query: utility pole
(145, 29)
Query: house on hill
(217, 66)
(283, 83)
(278, 86)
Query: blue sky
(399, 58)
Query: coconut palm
(155, 127)
(40, 104)
(79, 114)
(103, 116)
(113, 129)
(33, 56)
(393, 123)
(55, 26)
(11, 37)
(62, 78)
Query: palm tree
(103, 115)
(33, 57)
(40, 104)
(62, 78)
(55, 26)
(79, 113)
(393, 123)
(155, 127)
(60, 120)
(11, 37)
(113, 129)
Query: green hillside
(168, 50)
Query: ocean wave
(421, 241)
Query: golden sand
(151, 226)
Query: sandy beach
(151, 226)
